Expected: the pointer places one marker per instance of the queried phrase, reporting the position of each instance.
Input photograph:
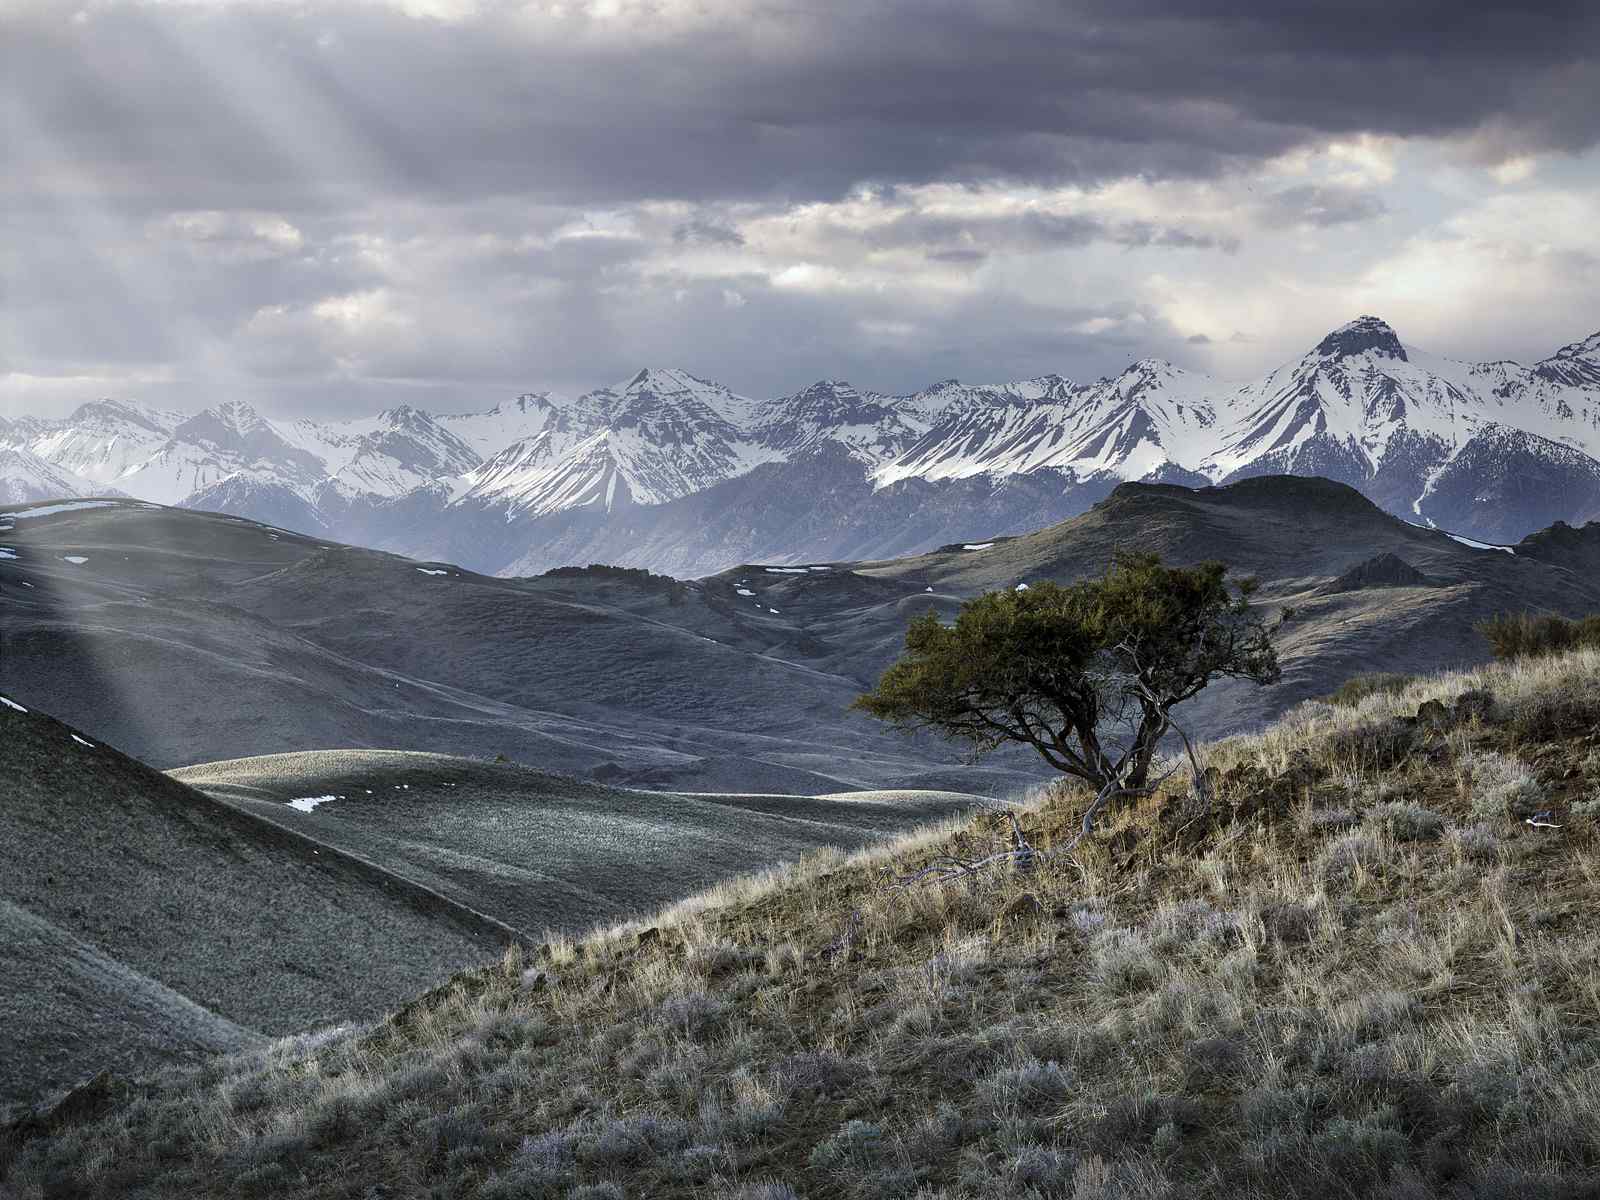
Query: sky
(328, 209)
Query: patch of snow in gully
(1466, 541)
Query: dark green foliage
(1531, 635)
(1059, 668)
(1372, 683)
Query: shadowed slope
(68, 1011)
(288, 644)
(261, 926)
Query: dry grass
(1360, 974)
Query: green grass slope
(1358, 972)
(544, 852)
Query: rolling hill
(155, 918)
(1371, 982)
(125, 618)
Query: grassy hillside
(127, 619)
(69, 1011)
(737, 682)
(259, 927)
(1360, 972)
(541, 852)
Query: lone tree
(1087, 675)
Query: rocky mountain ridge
(1493, 450)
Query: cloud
(602, 103)
(318, 206)
(709, 231)
(1320, 206)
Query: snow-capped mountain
(400, 450)
(1492, 449)
(873, 427)
(660, 435)
(1150, 421)
(25, 478)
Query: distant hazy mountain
(678, 473)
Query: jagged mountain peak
(665, 378)
(828, 387)
(108, 409)
(527, 400)
(405, 416)
(1364, 335)
(660, 389)
(1150, 366)
(1040, 388)
(1589, 347)
(229, 424)
(1577, 365)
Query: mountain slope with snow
(1491, 450)
(25, 477)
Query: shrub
(1333, 820)
(691, 1014)
(1476, 843)
(1373, 683)
(1501, 786)
(821, 1073)
(856, 1146)
(1045, 1171)
(765, 1189)
(1343, 856)
(1124, 962)
(1033, 1088)
(1530, 635)
(1407, 822)
(1374, 746)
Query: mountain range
(678, 474)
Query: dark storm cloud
(709, 231)
(323, 105)
(336, 201)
